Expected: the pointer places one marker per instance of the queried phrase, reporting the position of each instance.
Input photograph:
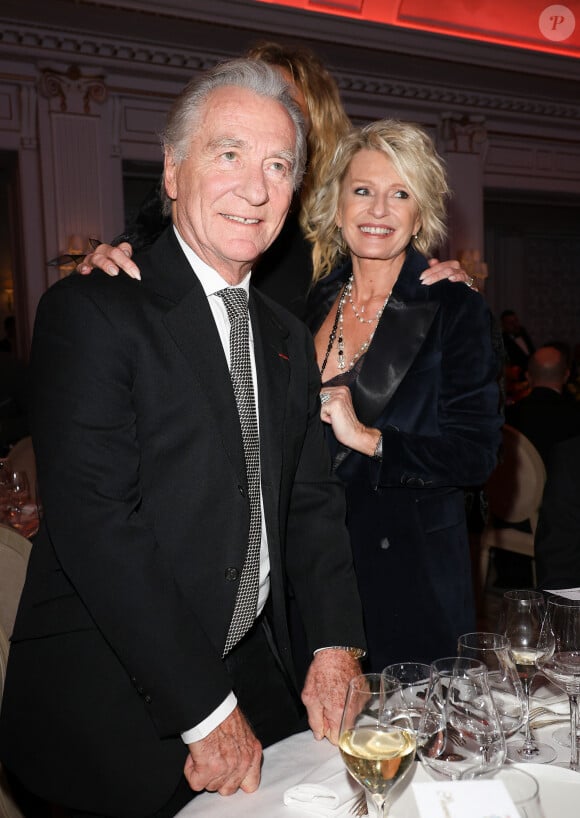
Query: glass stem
(573, 731)
(529, 746)
(380, 803)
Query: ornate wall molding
(71, 90)
(443, 95)
(180, 64)
(464, 133)
(47, 44)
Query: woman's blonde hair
(328, 119)
(413, 154)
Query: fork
(359, 807)
(543, 711)
(535, 724)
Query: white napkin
(325, 790)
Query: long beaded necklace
(337, 331)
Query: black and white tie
(244, 615)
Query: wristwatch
(378, 452)
(356, 653)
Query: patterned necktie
(244, 615)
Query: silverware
(360, 806)
(544, 711)
(535, 724)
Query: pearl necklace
(359, 315)
(337, 330)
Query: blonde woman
(409, 388)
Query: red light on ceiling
(532, 24)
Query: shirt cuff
(205, 727)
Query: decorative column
(464, 141)
(75, 156)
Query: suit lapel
(273, 370)
(402, 330)
(401, 333)
(191, 325)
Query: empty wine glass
(521, 621)
(559, 657)
(5, 478)
(459, 734)
(506, 689)
(413, 678)
(377, 742)
(18, 497)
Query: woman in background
(409, 388)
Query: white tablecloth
(289, 761)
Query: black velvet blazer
(428, 381)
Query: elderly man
(187, 490)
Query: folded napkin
(327, 790)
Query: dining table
(300, 758)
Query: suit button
(140, 690)
(415, 483)
(242, 491)
(231, 574)
(148, 699)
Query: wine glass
(5, 478)
(413, 678)
(521, 621)
(18, 496)
(459, 734)
(559, 657)
(506, 688)
(377, 742)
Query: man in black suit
(125, 688)
(544, 416)
(557, 541)
(517, 343)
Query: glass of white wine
(377, 742)
(521, 621)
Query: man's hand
(325, 689)
(438, 270)
(111, 260)
(228, 759)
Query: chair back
(21, 458)
(514, 490)
(14, 553)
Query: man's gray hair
(252, 75)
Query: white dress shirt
(212, 282)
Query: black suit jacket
(428, 382)
(557, 541)
(515, 355)
(131, 586)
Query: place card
(464, 799)
(567, 593)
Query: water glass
(459, 734)
(493, 649)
